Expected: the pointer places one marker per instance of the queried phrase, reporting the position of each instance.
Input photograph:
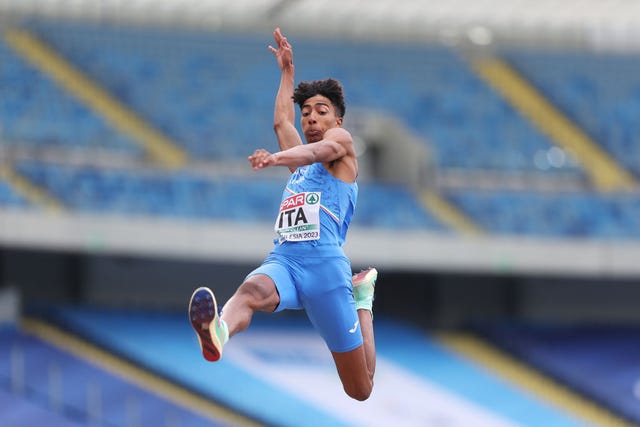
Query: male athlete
(307, 269)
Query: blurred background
(499, 152)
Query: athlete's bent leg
(257, 293)
(213, 330)
(356, 368)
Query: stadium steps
(448, 213)
(121, 368)
(159, 148)
(34, 194)
(605, 173)
(516, 372)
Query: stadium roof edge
(599, 24)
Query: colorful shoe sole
(203, 310)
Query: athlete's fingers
(259, 158)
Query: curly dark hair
(329, 88)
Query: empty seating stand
(214, 92)
(599, 361)
(48, 386)
(193, 197)
(552, 214)
(37, 114)
(599, 91)
(9, 197)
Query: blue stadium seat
(392, 206)
(79, 386)
(598, 361)
(18, 410)
(552, 214)
(407, 355)
(190, 196)
(177, 194)
(9, 197)
(214, 93)
(599, 91)
(209, 94)
(37, 113)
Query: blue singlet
(307, 264)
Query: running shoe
(203, 314)
(364, 284)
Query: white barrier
(410, 250)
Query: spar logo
(292, 202)
(312, 198)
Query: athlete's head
(322, 106)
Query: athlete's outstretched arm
(336, 144)
(284, 110)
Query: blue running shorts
(322, 287)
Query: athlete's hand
(261, 158)
(284, 51)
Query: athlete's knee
(259, 292)
(360, 391)
(356, 378)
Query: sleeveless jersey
(315, 211)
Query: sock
(363, 295)
(225, 331)
(366, 304)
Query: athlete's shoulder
(338, 134)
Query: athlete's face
(318, 115)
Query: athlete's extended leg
(356, 368)
(258, 292)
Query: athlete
(307, 269)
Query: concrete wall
(407, 250)
(427, 299)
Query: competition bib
(299, 218)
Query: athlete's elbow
(328, 153)
(311, 158)
(278, 125)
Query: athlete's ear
(339, 121)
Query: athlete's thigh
(327, 297)
(280, 271)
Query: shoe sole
(365, 276)
(203, 309)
